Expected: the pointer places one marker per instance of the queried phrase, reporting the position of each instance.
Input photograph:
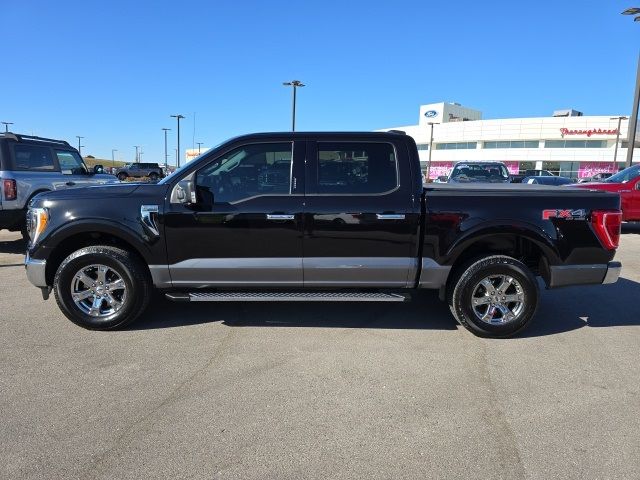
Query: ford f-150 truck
(317, 217)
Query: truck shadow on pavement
(13, 246)
(561, 310)
(633, 227)
(594, 306)
(425, 311)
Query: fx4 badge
(579, 214)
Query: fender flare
(492, 228)
(101, 225)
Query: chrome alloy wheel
(498, 299)
(98, 290)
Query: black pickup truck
(317, 217)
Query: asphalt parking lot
(257, 391)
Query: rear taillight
(606, 224)
(10, 189)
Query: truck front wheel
(494, 296)
(102, 287)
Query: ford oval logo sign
(430, 113)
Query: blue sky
(114, 71)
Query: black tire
(122, 176)
(461, 296)
(136, 279)
(153, 176)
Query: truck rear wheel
(494, 296)
(102, 287)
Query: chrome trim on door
(277, 216)
(390, 216)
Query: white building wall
(536, 129)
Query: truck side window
(32, 157)
(352, 168)
(247, 171)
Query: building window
(423, 146)
(512, 144)
(575, 144)
(456, 146)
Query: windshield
(487, 173)
(171, 175)
(625, 175)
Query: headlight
(37, 220)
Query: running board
(285, 297)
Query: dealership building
(567, 143)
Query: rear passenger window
(32, 157)
(352, 168)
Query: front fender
(133, 234)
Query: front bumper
(566, 275)
(36, 271)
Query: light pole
(615, 152)
(6, 126)
(113, 157)
(431, 124)
(295, 84)
(79, 146)
(178, 117)
(633, 122)
(165, 130)
(137, 157)
(199, 145)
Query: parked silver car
(31, 165)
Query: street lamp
(166, 166)
(178, 117)
(79, 146)
(431, 124)
(295, 84)
(6, 126)
(113, 157)
(137, 157)
(615, 152)
(633, 122)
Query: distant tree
(89, 156)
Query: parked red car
(627, 184)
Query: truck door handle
(279, 216)
(71, 184)
(390, 216)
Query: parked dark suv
(139, 170)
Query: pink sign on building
(513, 167)
(439, 169)
(589, 169)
